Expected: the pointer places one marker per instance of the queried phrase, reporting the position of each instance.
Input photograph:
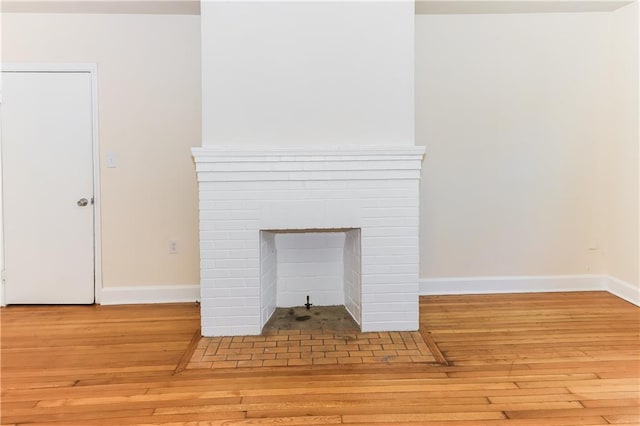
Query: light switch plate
(111, 160)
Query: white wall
(279, 72)
(149, 117)
(621, 151)
(512, 110)
(509, 107)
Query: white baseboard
(529, 284)
(521, 284)
(623, 290)
(427, 287)
(149, 294)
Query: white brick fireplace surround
(360, 202)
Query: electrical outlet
(173, 246)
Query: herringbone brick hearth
(303, 347)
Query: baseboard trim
(427, 287)
(623, 290)
(529, 284)
(149, 294)
(517, 284)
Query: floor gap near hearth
(188, 353)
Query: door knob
(83, 202)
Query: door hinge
(3, 276)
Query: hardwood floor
(527, 359)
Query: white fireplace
(339, 224)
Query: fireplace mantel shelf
(274, 153)
(310, 150)
(229, 163)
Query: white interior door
(47, 175)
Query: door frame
(92, 70)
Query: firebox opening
(323, 264)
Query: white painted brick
(385, 308)
(205, 187)
(252, 282)
(229, 195)
(285, 194)
(240, 292)
(211, 235)
(209, 274)
(398, 288)
(227, 330)
(395, 194)
(208, 292)
(228, 283)
(326, 185)
(374, 279)
(379, 317)
(214, 236)
(229, 263)
(251, 263)
(375, 190)
(310, 269)
(252, 301)
(305, 255)
(233, 225)
(229, 245)
(209, 225)
(228, 214)
(229, 311)
(207, 263)
(230, 166)
(243, 176)
(244, 272)
(226, 301)
(390, 259)
(319, 194)
(215, 254)
(309, 240)
(231, 205)
(220, 320)
(243, 235)
(364, 174)
(376, 184)
(370, 297)
(205, 245)
(317, 298)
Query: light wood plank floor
(528, 359)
